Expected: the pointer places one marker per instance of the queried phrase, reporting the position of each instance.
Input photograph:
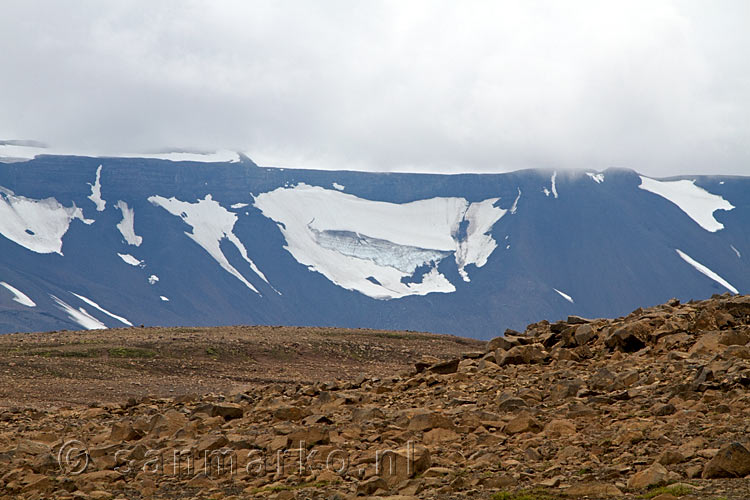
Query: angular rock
(523, 423)
(499, 343)
(732, 460)
(653, 476)
(425, 420)
(398, 465)
(523, 355)
(445, 367)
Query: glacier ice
(376, 247)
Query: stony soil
(652, 405)
(47, 370)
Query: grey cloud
(659, 86)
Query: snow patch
(514, 208)
(380, 249)
(100, 308)
(598, 178)
(18, 295)
(11, 153)
(153, 279)
(127, 225)
(338, 186)
(163, 298)
(704, 270)
(221, 156)
(739, 255)
(554, 183)
(80, 315)
(695, 201)
(211, 223)
(478, 244)
(546, 192)
(565, 296)
(129, 259)
(38, 225)
(96, 191)
(239, 205)
(16, 153)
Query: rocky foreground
(652, 405)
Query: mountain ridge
(603, 242)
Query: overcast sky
(662, 87)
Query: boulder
(425, 420)
(395, 466)
(653, 476)
(445, 367)
(523, 423)
(630, 337)
(523, 355)
(499, 343)
(584, 333)
(227, 411)
(732, 460)
(123, 431)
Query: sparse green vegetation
(277, 488)
(676, 490)
(131, 352)
(390, 335)
(66, 354)
(524, 495)
(183, 329)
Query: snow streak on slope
(211, 223)
(129, 259)
(598, 178)
(514, 207)
(126, 225)
(554, 184)
(80, 316)
(38, 225)
(704, 270)
(383, 250)
(97, 306)
(565, 296)
(695, 201)
(19, 296)
(96, 191)
(739, 255)
(478, 244)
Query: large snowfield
(375, 247)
